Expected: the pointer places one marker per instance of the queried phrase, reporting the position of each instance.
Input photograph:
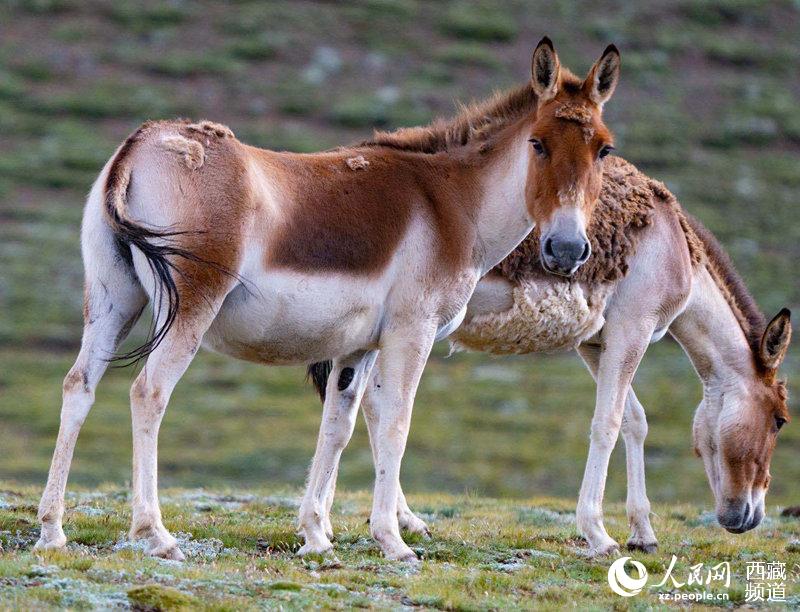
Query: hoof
(406, 557)
(170, 551)
(55, 544)
(404, 554)
(604, 550)
(328, 527)
(310, 549)
(646, 547)
(416, 526)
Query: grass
(469, 54)
(485, 554)
(478, 21)
(473, 430)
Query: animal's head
(569, 141)
(736, 440)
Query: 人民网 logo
(621, 582)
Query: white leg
(618, 361)
(346, 385)
(408, 520)
(326, 519)
(112, 306)
(150, 394)
(401, 361)
(634, 432)
(405, 517)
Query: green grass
(478, 21)
(469, 54)
(498, 427)
(473, 430)
(485, 554)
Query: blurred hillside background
(708, 103)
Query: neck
(713, 339)
(502, 220)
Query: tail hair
(160, 255)
(318, 373)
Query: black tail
(160, 255)
(319, 373)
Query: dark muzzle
(564, 255)
(738, 516)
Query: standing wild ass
(359, 255)
(653, 269)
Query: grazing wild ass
(653, 269)
(361, 255)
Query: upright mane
(476, 123)
(744, 307)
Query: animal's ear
(545, 69)
(603, 77)
(775, 341)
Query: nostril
(548, 247)
(587, 250)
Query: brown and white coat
(362, 255)
(653, 269)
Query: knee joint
(635, 427)
(604, 433)
(77, 381)
(144, 392)
(340, 436)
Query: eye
(537, 146)
(604, 150)
(779, 422)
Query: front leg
(404, 352)
(634, 432)
(406, 518)
(623, 347)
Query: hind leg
(345, 387)
(406, 518)
(113, 302)
(150, 394)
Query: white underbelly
(546, 315)
(287, 317)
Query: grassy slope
(76, 77)
(707, 103)
(485, 554)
